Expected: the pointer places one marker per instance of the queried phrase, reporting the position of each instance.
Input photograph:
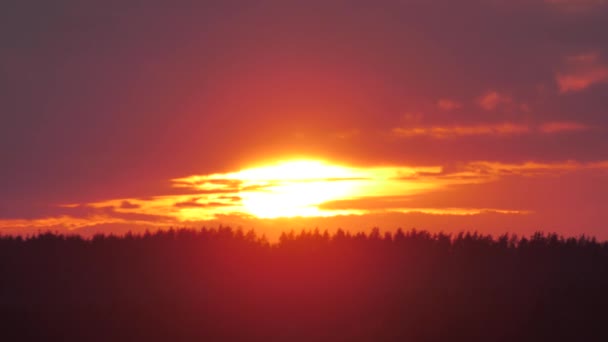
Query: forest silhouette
(225, 284)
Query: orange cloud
(461, 211)
(65, 223)
(444, 132)
(581, 72)
(500, 129)
(531, 169)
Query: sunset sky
(488, 115)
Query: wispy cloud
(128, 205)
(460, 211)
(448, 105)
(493, 99)
(581, 72)
(444, 132)
(531, 169)
(496, 129)
(562, 126)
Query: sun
(300, 188)
(295, 188)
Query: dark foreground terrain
(226, 285)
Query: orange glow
(297, 188)
(312, 188)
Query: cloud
(499, 129)
(492, 100)
(562, 126)
(581, 72)
(207, 184)
(128, 205)
(189, 204)
(444, 132)
(407, 204)
(532, 169)
(62, 222)
(231, 198)
(383, 190)
(448, 105)
(195, 203)
(71, 219)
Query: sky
(442, 115)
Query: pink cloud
(581, 72)
(448, 105)
(562, 126)
(492, 99)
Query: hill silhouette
(229, 285)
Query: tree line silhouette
(229, 285)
